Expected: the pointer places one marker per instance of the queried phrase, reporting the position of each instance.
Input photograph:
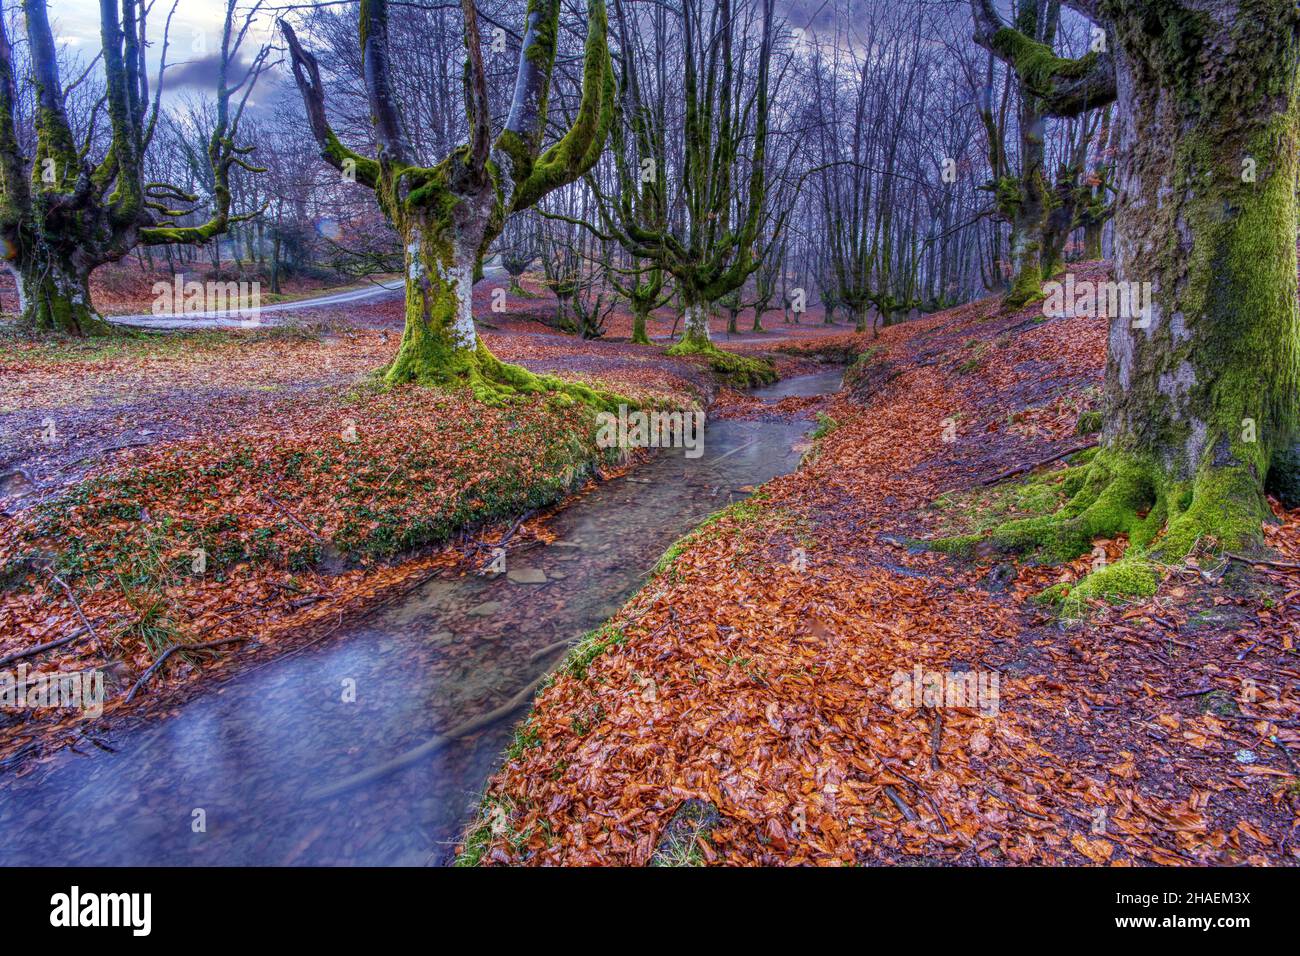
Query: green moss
(1118, 495)
(1130, 578)
(825, 425)
(738, 370)
(1027, 287)
(1089, 423)
(589, 648)
(1035, 62)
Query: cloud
(202, 72)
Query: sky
(195, 35)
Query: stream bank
(225, 781)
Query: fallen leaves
(773, 685)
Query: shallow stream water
(239, 759)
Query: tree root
(495, 382)
(1119, 495)
(430, 746)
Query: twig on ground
(1037, 464)
(48, 646)
(162, 659)
(289, 514)
(76, 606)
(908, 813)
(1283, 565)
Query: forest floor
(250, 488)
(744, 707)
(738, 709)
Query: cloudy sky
(195, 35)
(196, 32)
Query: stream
(222, 782)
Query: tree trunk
(862, 317)
(54, 296)
(640, 312)
(732, 316)
(695, 328)
(1092, 240)
(275, 262)
(439, 344)
(758, 320)
(1027, 245)
(1201, 396)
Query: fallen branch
(162, 659)
(1037, 464)
(430, 746)
(921, 790)
(515, 527)
(1014, 805)
(936, 737)
(76, 606)
(48, 646)
(1284, 565)
(288, 514)
(908, 813)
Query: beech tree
(67, 209)
(1200, 401)
(447, 214)
(713, 240)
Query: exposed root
(494, 382)
(1117, 495)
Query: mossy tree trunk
(439, 342)
(54, 294)
(1201, 396)
(1202, 392)
(695, 327)
(718, 240)
(448, 214)
(1092, 234)
(640, 315)
(68, 207)
(862, 317)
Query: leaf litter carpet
(756, 675)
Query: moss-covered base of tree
(63, 317)
(1121, 495)
(738, 370)
(493, 382)
(1027, 288)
